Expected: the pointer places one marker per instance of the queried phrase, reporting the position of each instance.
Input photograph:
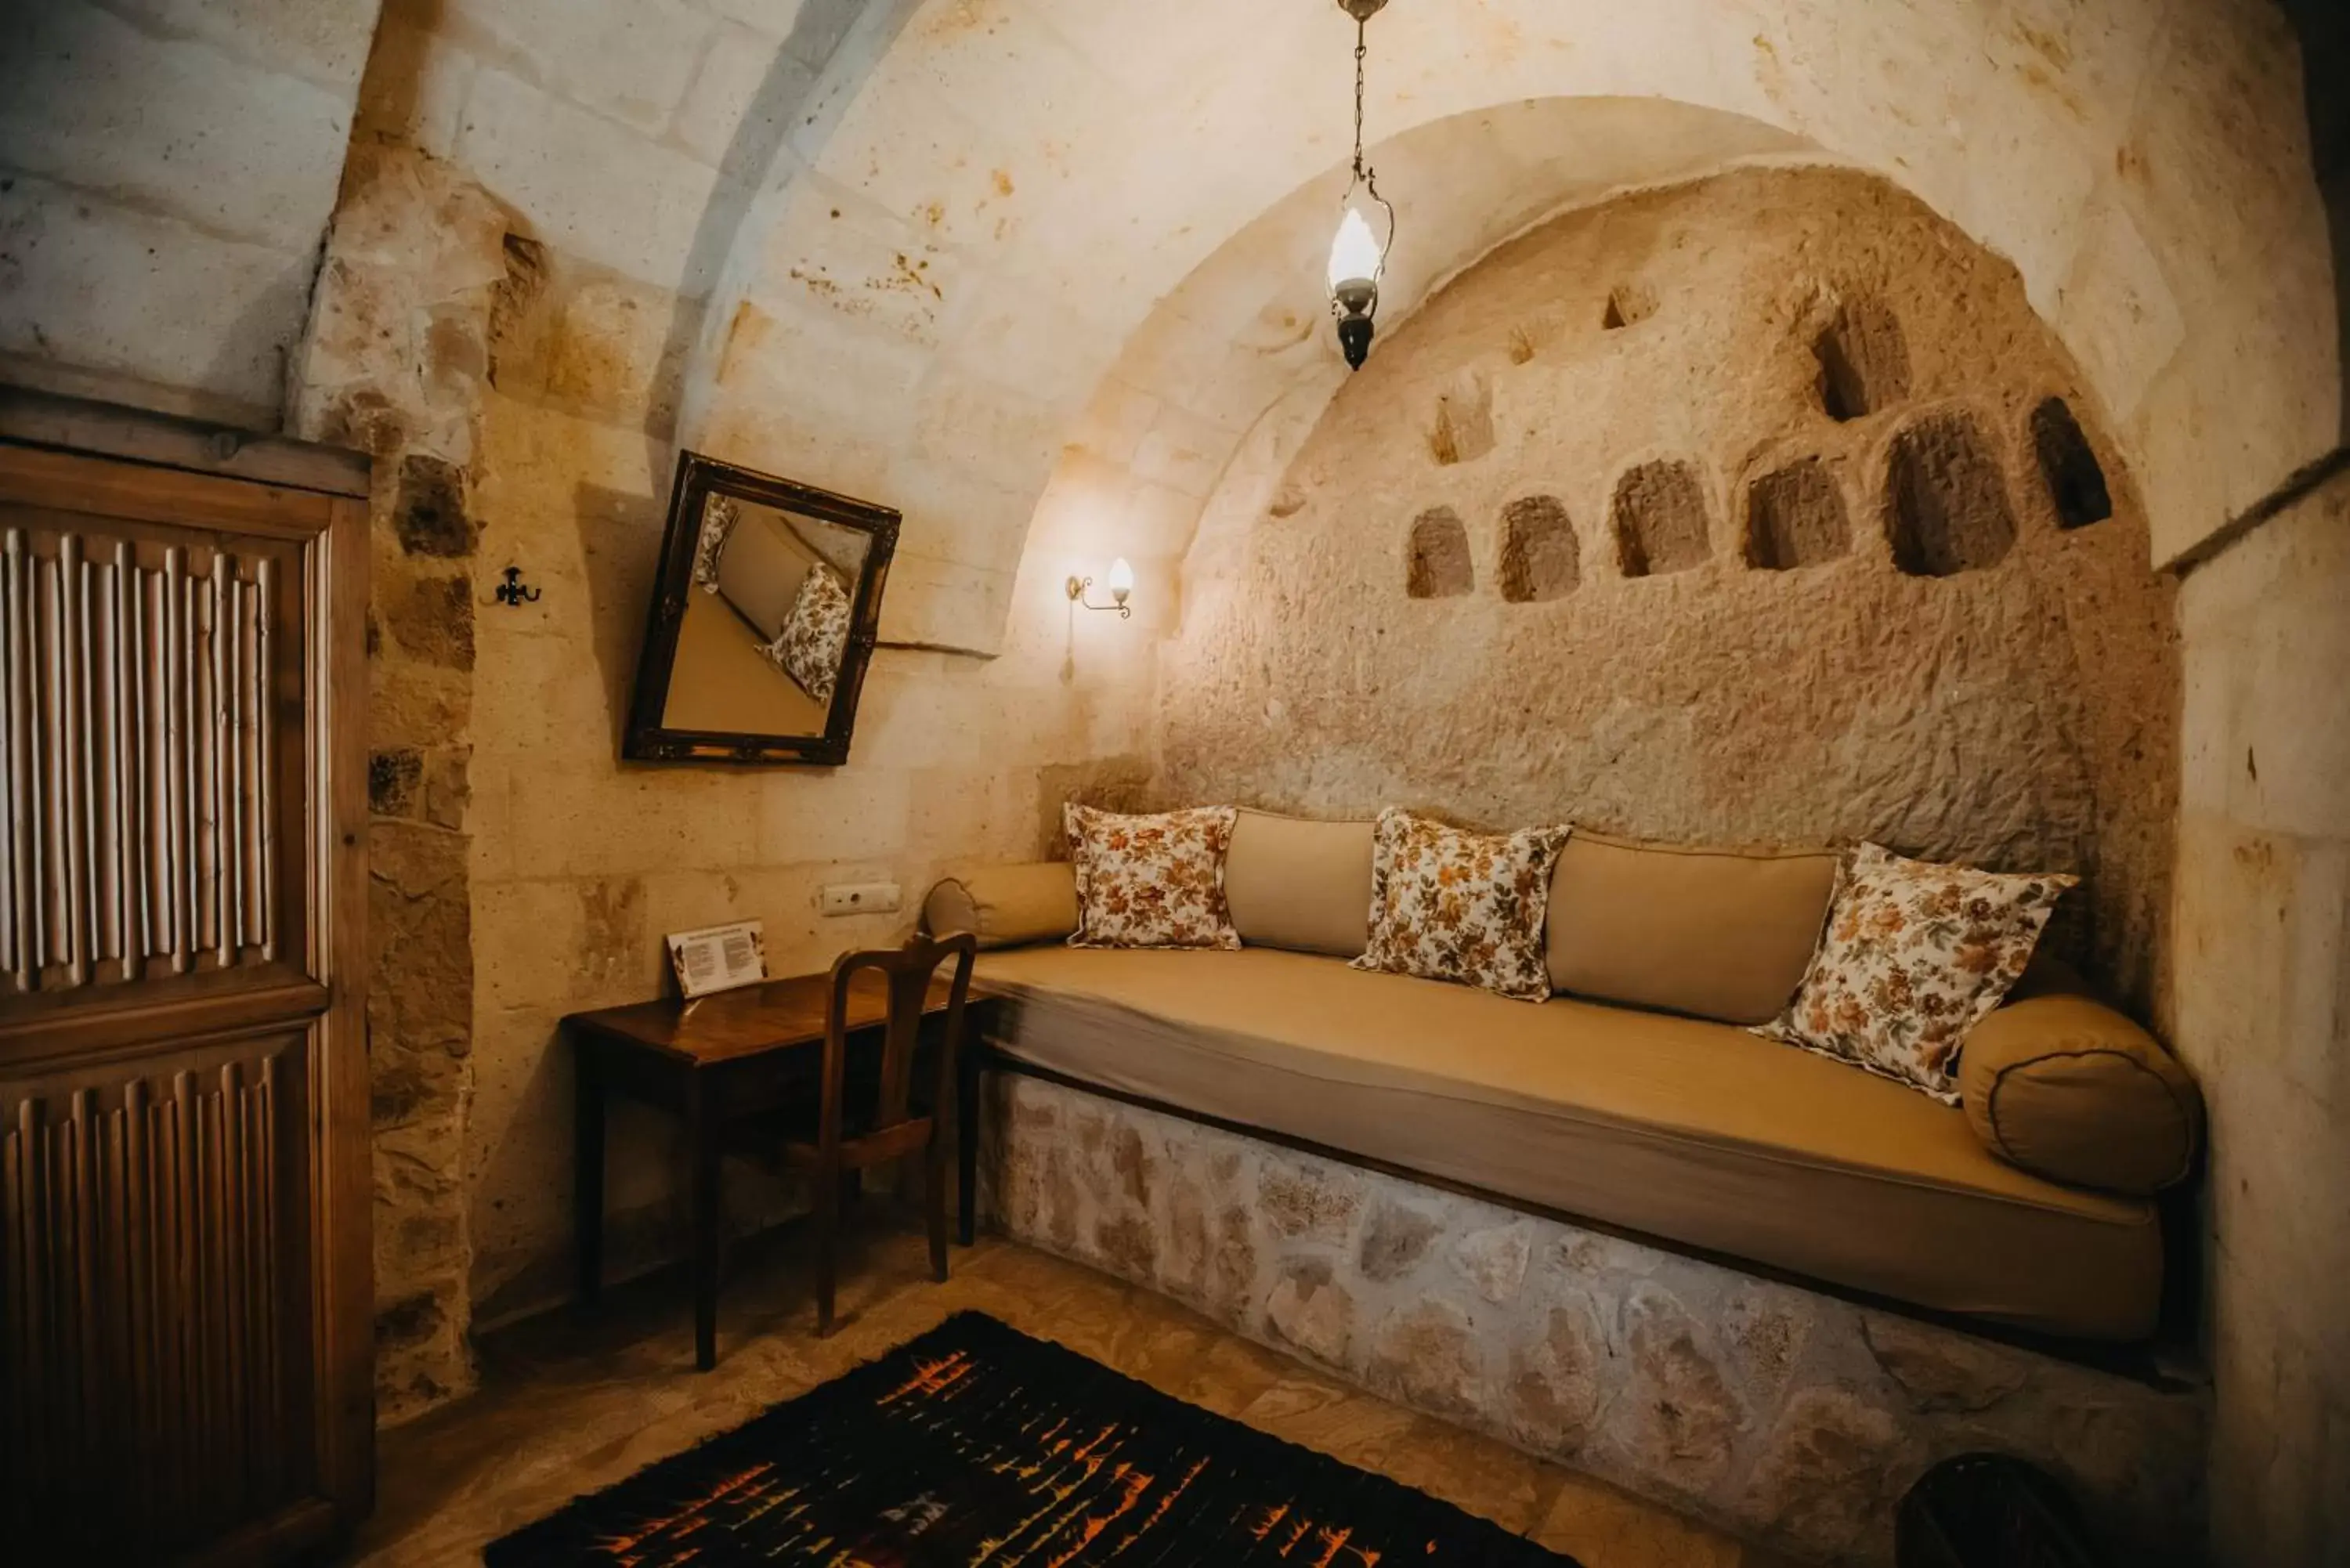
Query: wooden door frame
(342, 1228)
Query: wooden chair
(854, 1138)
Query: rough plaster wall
(965, 268)
(2263, 922)
(2020, 714)
(1787, 1416)
(167, 168)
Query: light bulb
(1121, 579)
(1355, 253)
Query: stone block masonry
(395, 363)
(1792, 1419)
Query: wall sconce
(1121, 585)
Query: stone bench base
(1788, 1417)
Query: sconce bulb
(1121, 579)
(1355, 255)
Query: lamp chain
(1362, 47)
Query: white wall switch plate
(860, 899)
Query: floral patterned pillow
(1466, 906)
(718, 519)
(815, 635)
(1151, 881)
(1913, 955)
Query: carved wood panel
(158, 1324)
(150, 694)
(185, 1293)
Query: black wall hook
(512, 592)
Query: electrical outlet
(860, 899)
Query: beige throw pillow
(1723, 934)
(1465, 907)
(1151, 881)
(1913, 955)
(1304, 886)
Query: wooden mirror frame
(698, 478)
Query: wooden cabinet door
(184, 1272)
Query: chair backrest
(909, 971)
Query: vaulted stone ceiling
(970, 240)
(923, 248)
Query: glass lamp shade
(1121, 579)
(1353, 255)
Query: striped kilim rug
(976, 1444)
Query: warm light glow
(1355, 253)
(1121, 579)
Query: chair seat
(856, 1153)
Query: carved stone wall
(1786, 520)
(1788, 1417)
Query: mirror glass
(762, 621)
(766, 630)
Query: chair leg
(827, 1186)
(934, 1205)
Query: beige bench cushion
(1301, 885)
(2065, 1086)
(1695, 1132)
(1004, 906)
(1715, 933)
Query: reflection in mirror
(756, 630)
(772, 599)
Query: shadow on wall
(786, 97)
(620, 542)
(2325, 28)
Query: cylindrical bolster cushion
(1004, 906)
(2063, 1086)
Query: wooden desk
(712, 1061)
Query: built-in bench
(1694, 1135)
(1751, 1282)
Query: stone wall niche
(1864, 360)
(1463, 432)
(1540, 557)
(1946, 502)
(1660, 519)
(1436, 565)
(1795, 517)
(1775, 694)
(1627, 303)
(2076, 483)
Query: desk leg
(587, 1173)
(967, 1069)
(702, 1138)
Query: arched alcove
(1920, 682)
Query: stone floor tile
(1603, 1528)
(580, 1399)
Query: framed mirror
(762, 621)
